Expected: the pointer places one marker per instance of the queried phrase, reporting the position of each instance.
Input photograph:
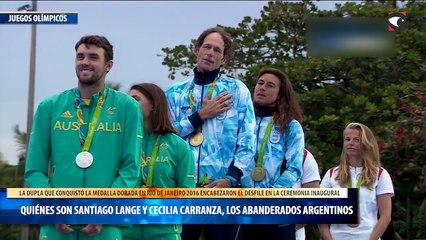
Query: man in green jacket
(86, 137)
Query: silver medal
(84, 159)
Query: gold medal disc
(258, 174)
(196, 139)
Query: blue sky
(137, 29)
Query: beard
(89, 81)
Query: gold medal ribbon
(191, 95)
(264, 141)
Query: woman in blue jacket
(280, 145)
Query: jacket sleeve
(39, 148)
(180, 122)
(185, 169)
(310, 170)
(129, 170)
(326, 180)
(295, 146)
(246, 139)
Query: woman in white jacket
(360, 168)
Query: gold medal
(258, 174)
(196, 139)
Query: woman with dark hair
(166, 162)
(280, 145)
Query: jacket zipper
(257, 142)
(199, 147)
(88, 127)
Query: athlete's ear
(223, 61)
(108, 66)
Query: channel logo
(396, 21)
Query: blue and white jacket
(287, 146)
(229, 138)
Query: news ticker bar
(32, 17)
(207, 210)
(177, 193)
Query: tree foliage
(385, 93)
(113, 85)
(9, 177)
(21, 141)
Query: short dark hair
(98, 41)
(160, 116)
(225, 37)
